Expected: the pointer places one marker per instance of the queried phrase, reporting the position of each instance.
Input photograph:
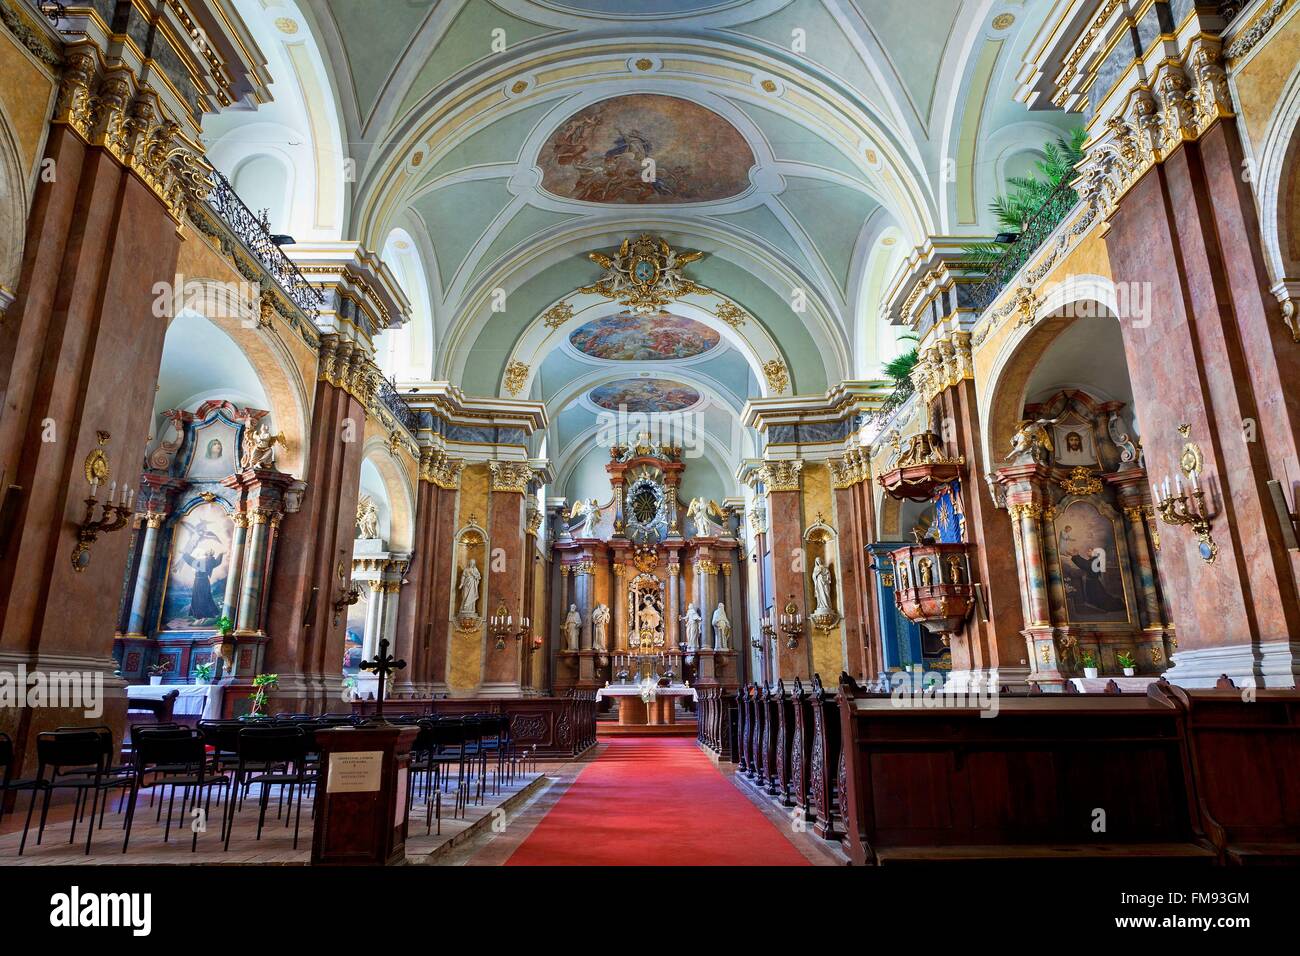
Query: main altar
(651, 600)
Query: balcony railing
(1040, 225)
(393, 400)
(255, 235)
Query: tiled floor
(274, 848)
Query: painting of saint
(644, 395)
(216, 447)
(355, 635)
(1074, 445)
(1090, 566)
(196, 575)
(646, 148)
(643, 338)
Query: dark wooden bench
(1245, 760)
(161, 707)
(1039, 780)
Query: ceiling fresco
(646, 148)
(643, 338)
(644, 395)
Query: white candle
(1178, 485)
(94, 487)
(112, 492)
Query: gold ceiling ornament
(768, 86)
(557, 315)
(1082, 482)
(516, 376)
(644, 64)
(519, 86)
(511, 476)
(778, 376)
(645, 275)
(732, 314)
(1003, 20)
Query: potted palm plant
(203, 672)
(1126, 661)
(1088, 660)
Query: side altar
(637, 596)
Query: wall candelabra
(792, 624)
(1184, 506)
(112, 516)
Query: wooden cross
(383, 664)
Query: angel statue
(589, 512)
(367, 518)
(670, 276)
(699, 511)
(1032, 443)
(259, 447)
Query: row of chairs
(230, 756)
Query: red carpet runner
(654, 802)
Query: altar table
(632, 710)
(195, 700)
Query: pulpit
(361, 796)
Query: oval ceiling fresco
(599, 154)
(644, 395)
(643, 338)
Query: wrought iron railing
(1040, 225)
(255, 235)
(1228, 9)
(393, 400)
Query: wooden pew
(784, 743)
(800, 746)
(1245, 760)
(754, 735)
(767, 701)
(945, 783)
(824, 760)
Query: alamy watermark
(65, 690)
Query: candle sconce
(113, 514)
(502, 625)
(792, 624)
(1185, 507)
(766, 630)
(349, 597)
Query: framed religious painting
(1091, 570)
(197, 567)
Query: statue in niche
(589, 512)
(367, 518)
(259, 447)
(900, 575)
(700, 510)
(599, 625)
(572, 625)
(693, 621)
(821, 578)
(470, 578)
(925, 572)
(649, 620)
(721, 628)
(1032, 443)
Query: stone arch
(13, 213)
(1003, 401)
(397, 488)
(223, 305)
(1279, 185)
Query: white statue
(699, 511)
(821, 578)
(572, 625)
(589, 512)
(721, 629)
(648, 617)
(367, 518)
(259, 447)
(599, 622)
(693, 620)
(469, 582)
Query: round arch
(281, 378)
(398, 491)
(1279, 185)
(13, 213)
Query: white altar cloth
(195, 700)
(634, 690)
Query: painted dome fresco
(643, 338)
(600, 153)
(644, 395)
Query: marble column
(672, 609)
(144, 579)
(1209, 356)
(782, 481)
(618, 601)
(314, 568)
(238, 542)
(505, 577)
(250, 591)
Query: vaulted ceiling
(803, 145)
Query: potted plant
(226, 628)
(349, 687)
(158, 669)
(203, 672)
(1088, 660)
(1127, 662)
(261, 682)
